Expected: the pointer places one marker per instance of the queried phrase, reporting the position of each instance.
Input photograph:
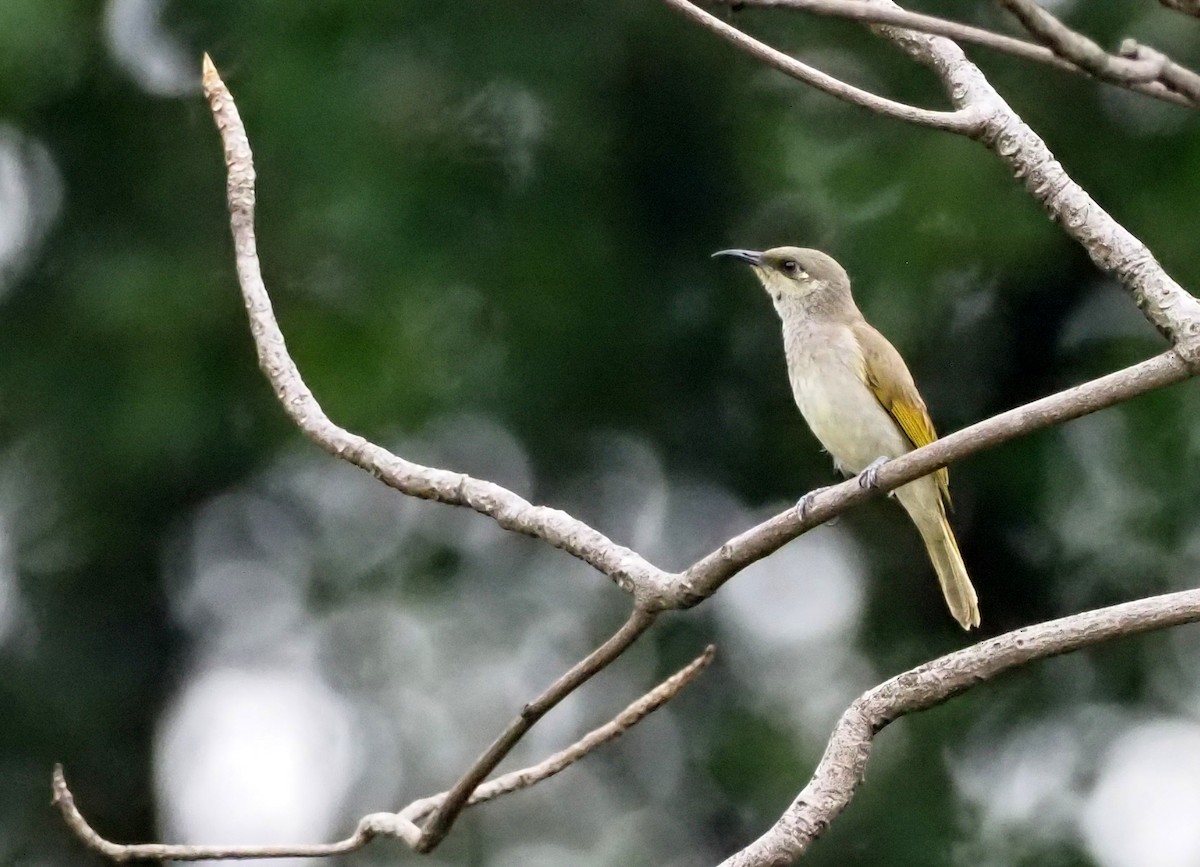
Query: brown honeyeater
(857, 396)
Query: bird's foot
(804, 504)
(869, 477)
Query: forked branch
(438, 824)
(512, 512)
(962, 121)
(400, 825)
(560, 761)
(1136, 64)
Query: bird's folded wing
(885, 373)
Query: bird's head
(797, 274)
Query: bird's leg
(804, 504)
(869, 477)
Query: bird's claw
(869, 477)
(804, 504)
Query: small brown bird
(859, 399)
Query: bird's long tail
(928, 513)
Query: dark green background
(490, 222)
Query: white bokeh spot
(1145, 808)
(255, 756)
(30, 200)
(148, 53)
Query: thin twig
(183, 852)
(962, 121)
(563, 759)
(1139, 66)
(434, 830)
(843, 765)
(399, 825)
(870, 12)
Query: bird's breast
(824, 366)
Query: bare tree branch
(962, 121)
(1170, 73)
(1172, 310)
(1111, 246)
(1077, 48)
(980, 114)
(435, 829)
(841, 768)
(870, 12)
(1138, 66)
(399, 825)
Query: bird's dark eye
(788, 266)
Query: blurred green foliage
(507, 208)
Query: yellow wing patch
(913, 420)
(918, 427)
(898, 395)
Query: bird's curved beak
(750, 257)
